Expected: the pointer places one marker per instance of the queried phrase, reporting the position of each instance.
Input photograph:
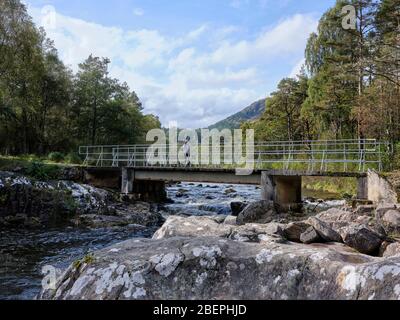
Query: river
(23, 253)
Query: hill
(252, 112)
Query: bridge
(278, 167)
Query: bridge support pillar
(142, 190)
(284, 191)
(362, 188)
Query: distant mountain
(252, 112)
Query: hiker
(186, 150)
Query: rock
(324, 230)
(361, 238)
(72, 173)
(230, 220)
(193, 226)
(392, 249)
(293, 230)
(140, 214)
(237, 207)
(383, 208)
(257, 212)
(230, 191)
(30, 203)
(310, 236)
(365, 210)
(391, 221)
(211, 268)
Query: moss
(77, 264)
(88, 259)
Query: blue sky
(194, 62)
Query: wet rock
(237, 207)
(230, 191)
(310, 236)
(72, 173)
(324, 230)
(30, 203)
(361, 238)
(293, 230)
(257, 212)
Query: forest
(349, 87)
(45, 107)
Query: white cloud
(192, 79)
(297, 68)
(138, 12)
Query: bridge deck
(207, 175)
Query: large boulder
(211, 268)
(310, 236)
(293, 230)
(324, 230)
(237, 207)
(207, 226)
(257, 212)
(391, 221)
(361, 238)
(392, 249)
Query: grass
(33, 166)
(345, 187)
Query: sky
(194, 62)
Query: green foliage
(42, 171)
(73, 158)
(56, 157)
(352, 89)
(45, 107)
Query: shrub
(56, 156)
(73, 158)
(40, 171)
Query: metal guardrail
(310, 155)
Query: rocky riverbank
(30, 203)
(338, 254)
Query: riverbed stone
(310, 236)
(391, 221)
(293, 230)
(177, 226)
(211, 268)
(393, 249)
(324, 230)
(237, 207)
(257, 212)
(361, 238)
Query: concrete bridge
(128, 168)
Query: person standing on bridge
(186, 150)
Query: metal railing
(312, 155)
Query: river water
(23, 253)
